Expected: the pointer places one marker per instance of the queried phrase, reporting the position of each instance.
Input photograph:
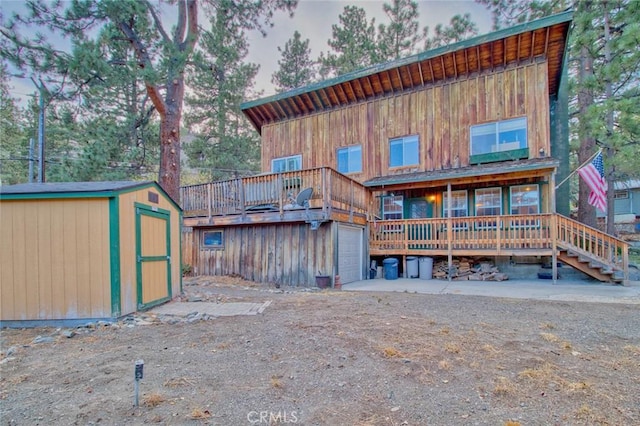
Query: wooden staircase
(597, 254)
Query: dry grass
(453, 348)
(547, 326)
(503, 386)
(153, 400)
(444, 365)
(546, 372)
(391, 352)
(178, 382)
(550, 337)
(199, 414)
(276, 383)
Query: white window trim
(404, 153)
(349, 150)
(297, 157)
(476, 205)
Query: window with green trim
(525, 199)
(488, 203)
(350, 159)
(499, 136)
(213, 239)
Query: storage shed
(82, 251)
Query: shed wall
(54, 259)
(441, 115)
(128, 278)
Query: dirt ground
(333, 358)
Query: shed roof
(45, 190)
(491, 171)
(70, 187)
(543, 38)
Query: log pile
(464, 269)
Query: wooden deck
(272, 198)
(510, 235)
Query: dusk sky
(313, 19)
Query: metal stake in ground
(138, 376)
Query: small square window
(404, 151)
(213, 239)
(350, 159)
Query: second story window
(350, 159)
(500, 136)
(286, 164)
(404, 151)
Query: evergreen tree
(353, 44)
(14, 140)
(296, 66)
(507, 13)
(459, 28)
(162, 57)
(224, 143)
(401, 37)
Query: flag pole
(579, 167)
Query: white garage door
(349, 253)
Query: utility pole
(41, 140)
(31, 160)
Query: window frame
(527, 224)
(404, 141)
(621, 194)
(349, 150)
(445, 204)
(219, 245)
(297, 157)
(496, 152)
(475, 199)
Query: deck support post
(449, 232)
(554, 227)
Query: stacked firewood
(465, 269)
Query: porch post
(449, 231)
(554, 227)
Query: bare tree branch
(158, 23)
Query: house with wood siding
(452, 152)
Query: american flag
(593, 175)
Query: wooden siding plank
(8, 255)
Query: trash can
(390, 268)
(426, 268)
(412, 267)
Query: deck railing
(587, 241)
(495, 233)
(275, 191)
(511, 234)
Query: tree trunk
(586, 212)
(169, 175)
(608, 92)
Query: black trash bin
(390, 268)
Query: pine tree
(353, 44)
(400, 38)
(459, 28)
(296, 66)
(14, 140)
(224, 143)
(162, 57)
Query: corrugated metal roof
(543, 38)
(627, 184)
(493, 169)
(70, 187)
